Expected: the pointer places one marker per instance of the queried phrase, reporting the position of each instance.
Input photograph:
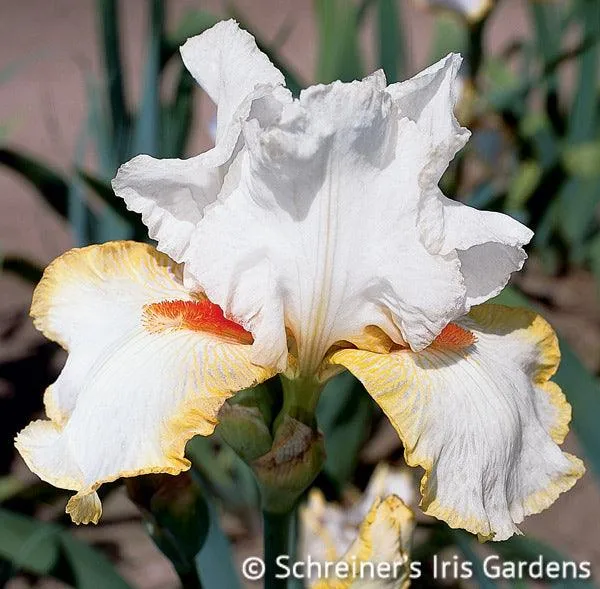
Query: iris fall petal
(149, 366)
(477, 410)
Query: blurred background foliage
(534, 110)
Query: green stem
(475, 48)
(276, 543)
(190, 580)
(300, 399)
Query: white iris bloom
(311, 239)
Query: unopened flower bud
(244, 423)
(175, 514)
(295, 459)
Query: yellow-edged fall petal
(329, 528)
(477, 411)
(149, 366)
(379, 556)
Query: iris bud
(293, 462)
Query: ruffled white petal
(429, 99)
(329, 219)
(140, 379)
(171, 194)
(480, 416)
(489, 245)
(337, 223)
(228, 65)
(321, 236)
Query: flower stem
(190, 580)
(475, 48)
(300, 398)
(276, 543)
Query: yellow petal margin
(131, 393)
(482, 419)
(379, 557)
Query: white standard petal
(478, 412)
(228, 65)
(321, 236)
(489, 245)
(149, 367)
(429, 99)
(171, 194)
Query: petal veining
(147, 370)
(326, 219)
(321, 235)
(484, 421)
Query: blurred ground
(45, 105)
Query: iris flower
(382, 535)
(312, 239)
(472, 10)
(328, 530)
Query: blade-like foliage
(46, 549)
(344, 414)
(527, 549)
(50, 183)
(215, 562)
(24, 268)
(108, 21)
(117, 206)
(390, 40)
(192, 23)
(177, 116)
(292, 80)
(146, 128)
(339, 52)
